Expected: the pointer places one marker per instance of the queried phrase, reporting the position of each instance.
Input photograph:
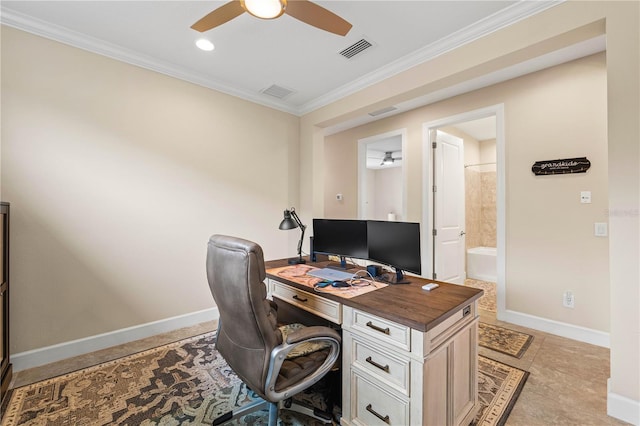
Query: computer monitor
(395, 244)
(340, 237)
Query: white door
(448, 215)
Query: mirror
(381, 177)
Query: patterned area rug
(188, 382)
(500, 339)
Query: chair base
(274, 409)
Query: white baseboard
(41, 356)
(623, 408)
(570, 331)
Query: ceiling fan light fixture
(265, 9)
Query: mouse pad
(298, 274)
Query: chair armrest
(279, 354)
(308, 333)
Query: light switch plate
(585, 197)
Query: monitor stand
(342, 265)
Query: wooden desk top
(406, 304)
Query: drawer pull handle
(372, 411)
(300, 299)
(376, 328)
(384, 368)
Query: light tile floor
(567, 384)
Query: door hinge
(435, 232)
(435, 276)
(434, 188)
(434, 145)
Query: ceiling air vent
(356, 48)
(382, 111)
(277, 91)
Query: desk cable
(355, 281)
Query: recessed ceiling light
(204, 44)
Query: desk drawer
(317, 305)
(391, 370)
(373, 406)
(379, 329)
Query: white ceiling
(253, 54)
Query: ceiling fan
(303, 10)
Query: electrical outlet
(600, 229)
(568, 300)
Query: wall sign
(561, 167)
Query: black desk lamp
(291, 221)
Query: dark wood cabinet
(5, 364)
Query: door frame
(362, 169)
(427, 189)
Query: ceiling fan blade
(313, 14)
(219, 16)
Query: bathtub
(481, 264)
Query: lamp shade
(288, 222)
(291, 221)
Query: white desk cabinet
(394, 375)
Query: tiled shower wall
(488, 208)
(480, 206)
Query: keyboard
(330, 274)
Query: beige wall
(556, 28)
(550, 243)
(117, 177)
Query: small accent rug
(499, 386)
(188, 382)
(500, 339)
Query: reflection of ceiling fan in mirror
(303, 10)
(389, 158)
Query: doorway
(382, 177)
(482, 166)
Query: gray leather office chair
(248, 335)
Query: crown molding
(82, 41)
(495, 22)
(490, 24)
